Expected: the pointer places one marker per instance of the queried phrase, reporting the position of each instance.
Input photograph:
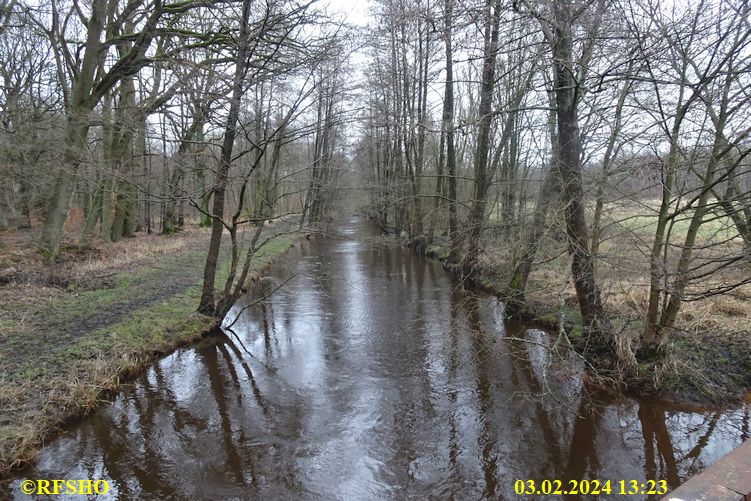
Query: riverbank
(71, 333)
(709, 359)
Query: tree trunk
(569, 171)
(208, 302)
(517, 284)
(76, 131)
(448, 126)
(482, 181)
(93, 213)
(678, 287)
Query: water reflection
(371, 376)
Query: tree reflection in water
(372, 375)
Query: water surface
(371, 375)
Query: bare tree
(268, 46)
(704, 73)
(557, 23)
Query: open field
(639, 218)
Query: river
(371, 375)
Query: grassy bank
(709, 356)
(70, 334)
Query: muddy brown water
(371, 375)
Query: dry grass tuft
(144, 248)
(21, 263)
(632, 300)
(731, 307)
(35, 410)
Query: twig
(257, 301)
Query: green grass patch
(712, 228)
(52, 367)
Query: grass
(640, 219)
(63, 349)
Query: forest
(585, 160)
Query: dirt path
(59, 317)
(61, 348)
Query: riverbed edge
(80, 402)
(652, 380)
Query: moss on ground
(61, 352)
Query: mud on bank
(71, 334)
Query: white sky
(355, 11)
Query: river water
(371, 375)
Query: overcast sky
(356, 11)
